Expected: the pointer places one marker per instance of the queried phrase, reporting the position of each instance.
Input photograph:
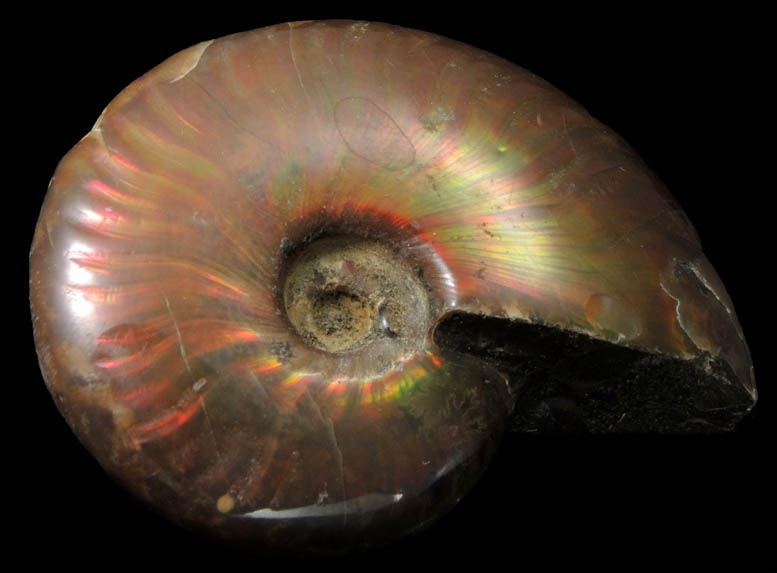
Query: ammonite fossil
(293, 284)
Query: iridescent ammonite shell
(293, 283)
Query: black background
(682, 89)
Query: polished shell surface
(156, 263)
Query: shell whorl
(182, 331)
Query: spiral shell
(237, 274)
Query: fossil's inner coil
(343, 294)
